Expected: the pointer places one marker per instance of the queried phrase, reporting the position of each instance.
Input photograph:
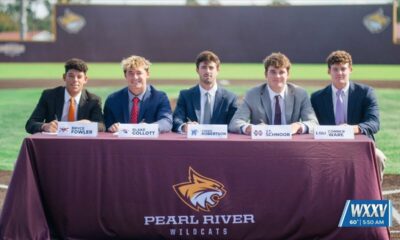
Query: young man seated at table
(207, 102)
(138, 102)
(67, 103)
(275, 102)
(344, 102)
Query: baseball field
(22, 83)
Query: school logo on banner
(376, 22)
(71, 22)
(200, 193)
(367, 213)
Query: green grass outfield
(16, 106)
(182, 71)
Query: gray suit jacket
(256, 106)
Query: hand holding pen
(51, 126)
(184, 127)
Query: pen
(143, 120)
(189, 120)
(55, 117)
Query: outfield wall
(307, 34)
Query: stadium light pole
(23, 20)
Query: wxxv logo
(367, 213)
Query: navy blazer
(51, 104)
(362, 109)
(154, 108)
(188, 107)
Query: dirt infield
(37, 83)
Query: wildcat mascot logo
(200, 193)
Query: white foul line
(396, 215)
(2, 186)
(391, 192)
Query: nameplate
(207, 131)
(271, 132)
(141, 130)
(77, 129)
(334, 132)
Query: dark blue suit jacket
(362, 108)
(154, 108)
(188, 106)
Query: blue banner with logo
(367, 213)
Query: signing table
(173, 188)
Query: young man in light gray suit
(275, 102)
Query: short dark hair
(207, 56)
(339, 56)
(76, 64)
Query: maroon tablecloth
(107, 187)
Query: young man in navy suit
(139, 101)
(67, 103)
(207, 102)
(346, 102)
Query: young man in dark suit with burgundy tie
(346, 102)
(138, 102)
(67, 103)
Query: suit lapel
(289, 104)
(351, 103)
(196, 103)
(219, 97)
(125, 105)
(266, 105)
(59, 104)
(328, 105)
(144, 103)
(81, 105)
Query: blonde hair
(135, 62)
(277, 60)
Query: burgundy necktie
(135, 110)
(278, 113)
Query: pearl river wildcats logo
(71, 22)
(376, 22)
(200, 193)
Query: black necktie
(278, 113)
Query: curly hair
(135, 62)
(278, 60)
(339, 56)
